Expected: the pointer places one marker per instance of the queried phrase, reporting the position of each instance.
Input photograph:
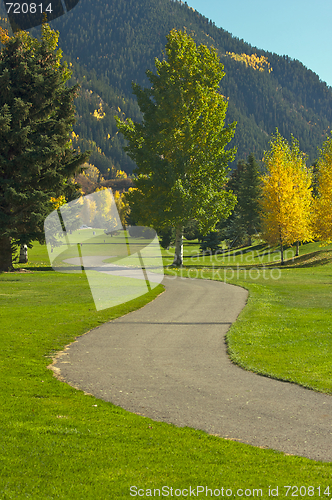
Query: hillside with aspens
(111, 43)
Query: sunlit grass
(57, 442)
(285, 330)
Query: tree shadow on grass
(313, 259)
(32, 269)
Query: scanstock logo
(26, 14)
(86, 236)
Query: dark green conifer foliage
(230, 228)
(36, 118)
(249, 192)
(234, 181)
(167, 237)
(244, 221)
(211, 242)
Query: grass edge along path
(57, 442)
(285, 330)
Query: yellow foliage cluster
(322, 214)
(99, 114)
(286, 201)
(58, 202)
(121, 174)
(122, 206)
(4, 37)
(98, 211)
(88, 211)
(103, 207)
(254, 61)
(92, 173)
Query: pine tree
(211, 242)
(229, 227)
(244, 221)
(36, 118)
(248, 197)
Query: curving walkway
(168, 361)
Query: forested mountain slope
(112, 43)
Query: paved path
(96, 263)
(168, 361)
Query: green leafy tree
(36, 118)
(179, 149)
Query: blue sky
(301, 29)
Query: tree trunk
(23, 254)
(178, 256)
(297, 248)
(282, 253)
(6, 263)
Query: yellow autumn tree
(122, 206)
(92, 173)
(58, 202)
(105, 208)
(4, 37)
(322, 217)
(286, 202)
(253, 61)
(121, 174)
(88, 211)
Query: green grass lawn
(285, 331)
(57, 442)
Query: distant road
(168, 361)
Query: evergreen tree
(211, 242)
(229, 227)
(234, 182)
(244, 221)
(36, 118)
(167, 237)
(248, 198)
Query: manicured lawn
(57, 442)
(285, 331)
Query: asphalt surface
(168, 361)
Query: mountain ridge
(113, 43)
